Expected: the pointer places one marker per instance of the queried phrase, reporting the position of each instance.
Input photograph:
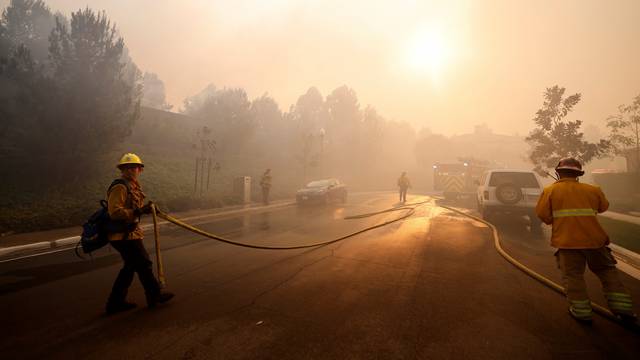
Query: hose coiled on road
(410, 208)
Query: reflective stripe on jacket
(121, 205)
(571, 208)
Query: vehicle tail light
(486, 195)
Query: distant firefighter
(570, 207)
(126, 206)
(265, 184)
(403, 184)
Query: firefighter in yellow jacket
(403, 185)
(570, 207)
(125, 206)
(265, 184)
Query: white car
(509, 192)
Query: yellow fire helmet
(130, 158)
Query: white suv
(509, 191)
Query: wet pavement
(430, 287)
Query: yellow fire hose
(155, 212)
(409, 207)
(553, 285)
(156, 233)
(410, 211)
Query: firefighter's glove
(146, 209)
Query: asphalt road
(429, 287)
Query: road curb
(628, 256)
(621, 217)
(58, 243)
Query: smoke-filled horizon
(446, 66)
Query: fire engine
(456, 179)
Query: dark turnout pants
(136, 260)
(572, 263)
(403, 194)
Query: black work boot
(114, 308)
(160, 298)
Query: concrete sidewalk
(621, 217)
(629, 261)
(62, 238)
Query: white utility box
(242, 189)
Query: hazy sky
(446, 65)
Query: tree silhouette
(65, 118)
(555, 137)
(153, 92)
(29, 23)
(625, 132)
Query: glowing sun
(428, 52)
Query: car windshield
(520, 179)
(319, 183)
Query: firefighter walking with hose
(125, 206)
(570, 207)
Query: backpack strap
(120, 181)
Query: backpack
(95, 232)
